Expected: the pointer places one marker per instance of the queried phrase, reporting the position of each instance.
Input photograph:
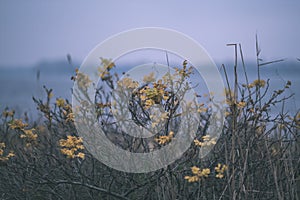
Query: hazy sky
(33, 30)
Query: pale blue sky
(33, 30)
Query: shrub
(256, 156)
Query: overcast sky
(34, 30)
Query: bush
(256, 156)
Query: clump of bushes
(255, 157)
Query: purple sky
(33, 30)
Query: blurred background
(37, 36)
